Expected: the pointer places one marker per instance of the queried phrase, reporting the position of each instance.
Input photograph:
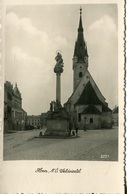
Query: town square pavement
(89, 145)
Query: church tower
(80, 57)
(86, 106)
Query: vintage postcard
(62, 97)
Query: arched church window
(80, 74)
(91, 120)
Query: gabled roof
(17, 92)
(116, 110)
(91, 109)
(87, 92)
(80, 87)
(88, 96)
(105, 108)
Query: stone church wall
(89, 121)
(106, 120)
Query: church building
(86, 106)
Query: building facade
(115, 116)
(8, 93)
(14, 115)
(87, 106)
(33, 122)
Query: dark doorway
(79, 117)
(91, 120)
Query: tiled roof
(88, 96)
(91, 109)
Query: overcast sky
(35, 32)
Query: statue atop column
(57, 117)
(59, 63)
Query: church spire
(80, 29)
(80, 51)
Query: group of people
(74, 128)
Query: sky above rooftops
(35, 32)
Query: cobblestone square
(92, 145)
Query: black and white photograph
(61, 82)
(63, 97)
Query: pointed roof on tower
(16, 91)
(80, 50)
(80, 29)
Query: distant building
(18, 114)
(33, 122)
(14, 115)
(115, 116)
(87, 106)
(8, 93)
(43, 119)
